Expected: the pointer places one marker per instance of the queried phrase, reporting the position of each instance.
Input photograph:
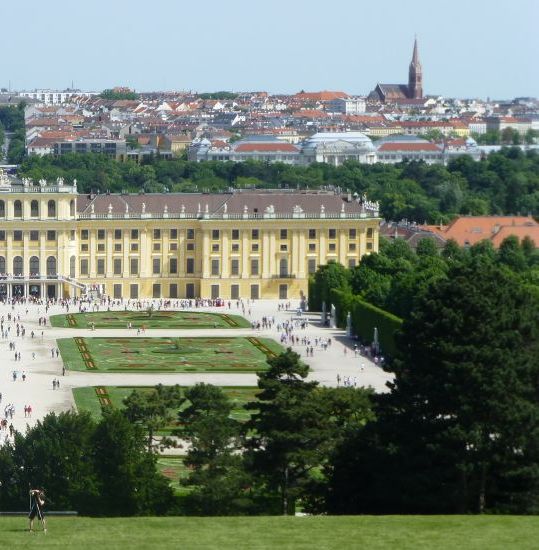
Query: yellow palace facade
(56, 243)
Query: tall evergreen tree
(459, 429)
(289, 427)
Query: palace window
(117, 266)
(84, 266)
(133, 266)
(254, 266)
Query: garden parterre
(145, 354)
(145, 319)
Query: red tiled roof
(408, 146)
(284, 147)
(320, 96)
(468, 230)
(520, 232)
(310, 113)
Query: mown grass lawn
(158, 319)
(302, 533)
(145, 354)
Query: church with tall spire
(398, 92)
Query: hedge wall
(365, 317)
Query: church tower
(415, 76)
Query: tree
(331, 275)
(153, 411)
(118, 94)
(128, 482)
(427, 247)
(512, 255)
(458, 431)
(56, 454)
(290, 428)
(216, 472)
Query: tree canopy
(505, 182)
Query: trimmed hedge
(365, 317)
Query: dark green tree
(327, 277)
(216, 471)
(56, 455)
(128, 482)
(459, 430)
(290, 428)
(153, 410)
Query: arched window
(72, 262)
(2, 209)
(2, 264)
(34, 209)
(34, 265)
(51, 209)
(51, 265)
(72, 208)
(17, 265)
(283, 267)
(17, 209)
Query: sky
(468, 48)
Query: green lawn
(297, 533)
(92, 399)
(174, 469)
(158, 319)
(144, 354)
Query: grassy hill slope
(365, 532)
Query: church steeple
(415, 75)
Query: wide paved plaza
(40, 364)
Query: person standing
(37, 503)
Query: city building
(348, 105)
(55, 242)
(500, 123)
(111, 147)
(337, 147)
(262, 148)
(395, 149)
(54, 97)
